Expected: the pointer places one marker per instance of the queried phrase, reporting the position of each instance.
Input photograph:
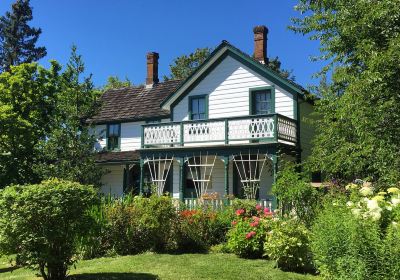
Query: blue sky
(114, 36)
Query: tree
(113, 82)
(17, 39)
(68, 150)
(358, 124)
(42, 224)
(27, 104)
(275, 64)
(184, 65)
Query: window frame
(191, 98)
(252, 101)
(118, 148)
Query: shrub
(248, 205)
(197, 230)
(287, 243)
(42, 223)
(345, 246)
(247, 235)
(390, 253)
(295, 194)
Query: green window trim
(194, 97)
(252, 94)
(118, 134)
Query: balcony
(271, 128)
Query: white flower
(349, 203)
(375, 215)
(373, 205)
(356, 212)
(395, 201)
(365, 191)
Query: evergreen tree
(17, 39)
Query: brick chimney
(152, 69)
(260, 43)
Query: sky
(113, 36)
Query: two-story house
(221, 130)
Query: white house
(222, 130)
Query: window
(262, 102)
(198, 108)
(113, 134)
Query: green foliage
(197, 230)
(130, 226)
(344, 246)
(357, 119)
(248, 205)
(41, 224)
(18, 39)
(184, 65)
(295, 194)
(67, 150)
(28, 95)
(113, 82)
(287, 243)
(390, 253)
(275, 64)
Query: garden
(59, 229)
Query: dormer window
(113, 136)
(198, 107)
(262, 101)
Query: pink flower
(239, 212)
(254, 224)
(267, 212)
(234, 223)
(256, 219)
(258, 207)
(250, 234)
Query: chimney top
(152, 69)
(260, 43)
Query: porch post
(141, 177)
(181, 177)
(226, 174)
(125, 178)
(275, 173)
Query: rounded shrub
(42, 223)
(287, 242)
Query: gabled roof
(222, 51)
(134, 103)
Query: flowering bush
(197, 230)
(247, 235)
(287, 242)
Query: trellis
(157, 167)
(250, 178)
(198, 171)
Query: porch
(268, 128)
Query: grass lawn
(164, 266)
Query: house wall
(307, 131)
(130, 135)
(113, 180)
(228, 88)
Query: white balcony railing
(235, 130)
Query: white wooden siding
(228, 88)
(306, 129)
(130, 136)
(113, 180)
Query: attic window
(113, 136)
(262, 101)
(198, 107)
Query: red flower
(267, 212)
(234, 223)
(256, 219)
(258, 207)
(239, 212)
(250, 234)
(254, 224)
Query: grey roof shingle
(107, 157)
(134, 103)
